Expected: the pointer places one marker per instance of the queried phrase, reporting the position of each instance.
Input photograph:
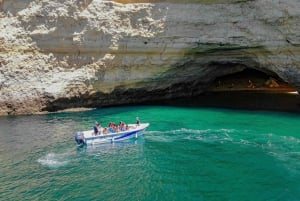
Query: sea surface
(187, 153)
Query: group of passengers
(112, 128)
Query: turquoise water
(188, 153)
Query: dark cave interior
(251, 79)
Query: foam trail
(54, 160)
(191, 134)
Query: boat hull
(87, 137)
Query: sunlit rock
(86, 53)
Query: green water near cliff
(187, 153)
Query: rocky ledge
(63, 54)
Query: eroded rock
(61, 53)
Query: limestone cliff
(87, 53)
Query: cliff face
(85, 53)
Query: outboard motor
(79, 138)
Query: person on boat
(138, 121)
(111, 125)
(116, 128)
(97, 128)
(122, 126)
(105, 131)
(111, 130)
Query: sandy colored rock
(60, 54)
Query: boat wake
(282, 148)
(207, 135)
(55, 160)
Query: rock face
(86, 53)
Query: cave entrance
(234, 91)
(251, 80)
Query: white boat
(89, 137)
